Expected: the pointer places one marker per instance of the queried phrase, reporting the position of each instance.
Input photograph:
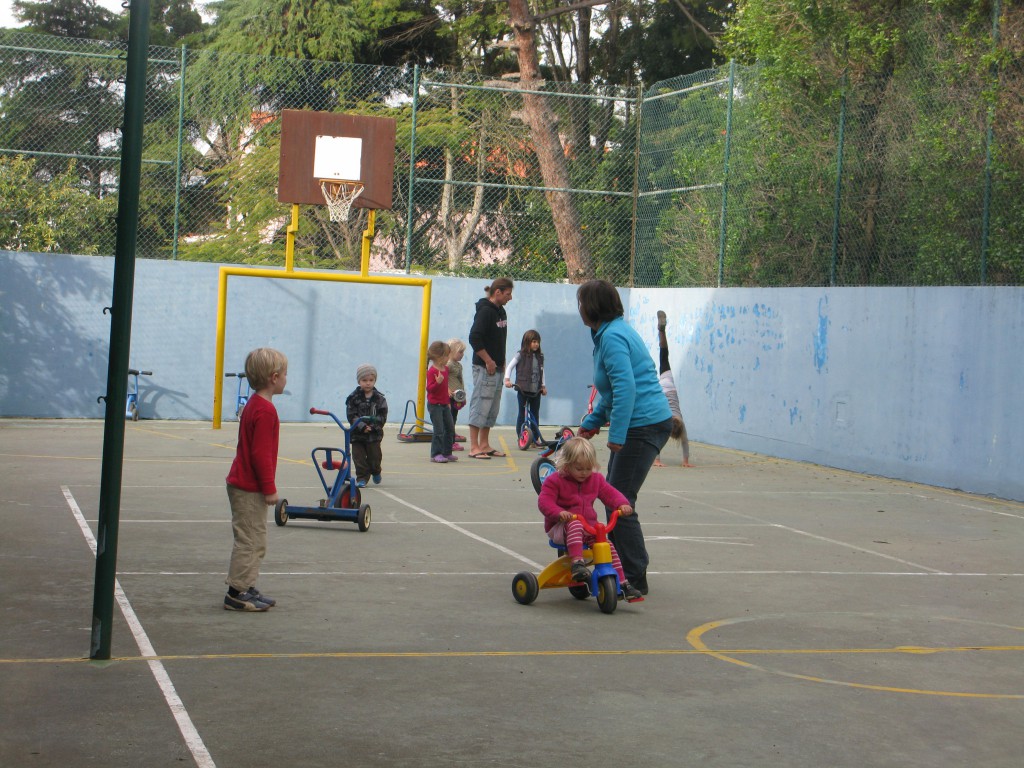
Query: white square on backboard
(337, 157)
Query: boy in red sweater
(251, 486)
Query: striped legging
(576, 537)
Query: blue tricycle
(243, 396)
(131, 410)
(343, 497)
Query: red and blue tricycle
(343, 497)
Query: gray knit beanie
(365, 370)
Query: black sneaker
(580, 572)
(261, 597)
(641, 584)
(662, 320)
(631, 593)
(244, 602)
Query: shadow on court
(798, 616)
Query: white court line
(188, 730)
(733, 541)
(462, 530)
(377, 521)
(893, 558)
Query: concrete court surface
(798, 616)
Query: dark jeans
(444, 429)
(533, 400)
(627, 471)
(367, 459)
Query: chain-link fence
(910, 175)
(913, 177)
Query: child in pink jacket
(570, 492)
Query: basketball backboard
(318, 146)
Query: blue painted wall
(914, 383)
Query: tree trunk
(459, 229)
(543, 127)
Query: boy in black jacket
(368, 405)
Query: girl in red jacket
(570, 492)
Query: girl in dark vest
(525, 372)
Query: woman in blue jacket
(633, 404)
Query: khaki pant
(249, 527)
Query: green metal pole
(636, 184)
(412, 167)
(120, 331)
(987, 202)
(177, 163)
(839, 186)
(725, 175)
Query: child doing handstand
(570, 493)
(668, 386)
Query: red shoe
(457, 447)
(460, 438)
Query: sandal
(496, 454)
(479, 456)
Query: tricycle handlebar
(600, 527)
(321, 412)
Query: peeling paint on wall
(821, 336)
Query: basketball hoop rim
(339, 195)
(341, 182)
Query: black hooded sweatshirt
(489, 331)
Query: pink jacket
(562, 492)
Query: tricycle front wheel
(348, 499)
(363, 518)
(607, 594)
(525, 588)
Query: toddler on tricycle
(567, 502)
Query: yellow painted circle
(696, 639)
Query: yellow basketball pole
(371, 220)
(218, 368)
(289, 242)
(333, 277)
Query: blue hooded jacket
(626, 380)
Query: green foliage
(66, 18)
(914, 87)
(44, 213)
(365, 31)
(911, 92)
